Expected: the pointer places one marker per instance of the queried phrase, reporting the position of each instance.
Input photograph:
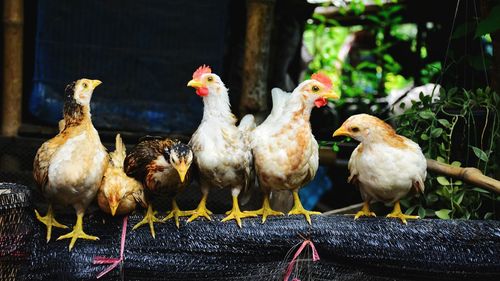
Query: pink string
(315, 257)
(113, 261)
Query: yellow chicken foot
(49, 221)
(365, 211)
(149, 218)
(176, 213)
(236, 214)
(201, 210)
(77, 232)
(396, 213)
(266, 210)
(299, 210)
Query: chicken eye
(355, 129)
(315, 88)
(84, 85)
(210, 79)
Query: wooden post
(13, 66)
(260, 14)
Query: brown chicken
(162, 165)
(119, 194)
(69, 167)
(385, 166)
(285, 151)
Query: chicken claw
(201, 210)
(149, 218)
(364, 212)
(49, 221)
(236, 214)
(77, 232)
(266, 210)
(299, 210)
(396, 213)
(176, 213)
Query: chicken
(119, 194)
(222, 151)
(285, 151)
(69, 167)
(385, 166)
(162, 165)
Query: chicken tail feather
(247, 123)
(118, 156)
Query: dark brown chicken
(69, 167)
(162, 165)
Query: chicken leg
(299, 210)
(266, 210)
(49, 221)
(235, 213)
(201, 210)
(396, 213)
(149, 218)
(365, 211)
(77, 231)
(176, 213)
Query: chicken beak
(341, 132)
(195, 84)
(113, 205)
(331, 95)
(182, 169)
(96, 83)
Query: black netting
(16, 229)
(368, 249)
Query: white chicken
(385, 166)
(222, 150)
(285, 151)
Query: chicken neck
(75, 114)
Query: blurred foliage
(461, 122)
(471, 118)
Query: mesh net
(368, 249)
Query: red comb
(201, 70)
(323, 79)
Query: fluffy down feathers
(385, 166)
(119, 193)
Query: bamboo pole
(256, 58)
(13, 66)
(469, 175)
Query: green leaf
(444, 122)
(421, 212)
(456, 164)
(426, 114)
(335, 147)
(436, 132)
(459, 198)
(410, 210)
(442, 181)
(424, 137)
(440, 159)
(443, 214)
(432, 198)
(480, 190)
(480, 154)
(490, 23)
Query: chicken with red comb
(221, 149)
(284, 148)
(385, 166)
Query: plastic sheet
(367, 249)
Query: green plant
(434, 125)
